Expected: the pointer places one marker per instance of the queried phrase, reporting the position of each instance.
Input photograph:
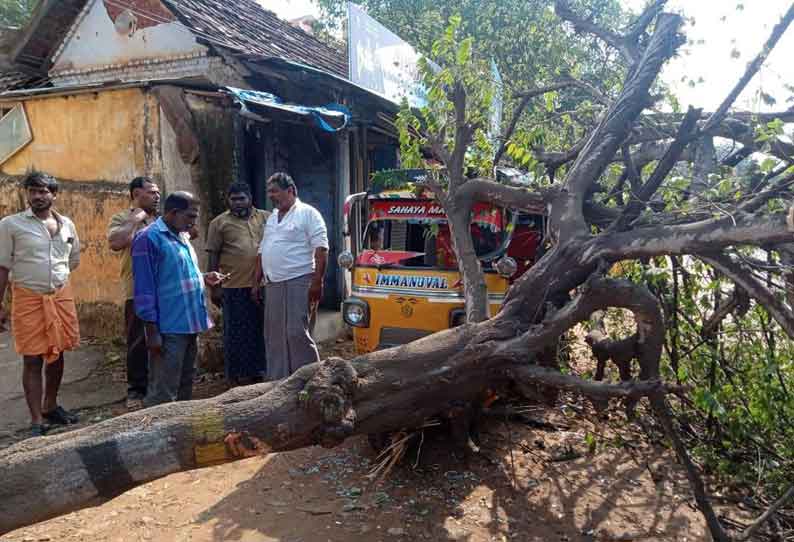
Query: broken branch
(752, 69)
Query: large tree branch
(463, 134)
(507, 196)
(746, 117)
(704, 236)
(646, 17)
(686, 133)
(627, 44)
(597, 293)
(533, 374)
(613, 129)
(458, 210)
(320, 403)
(740, 275)
(600, 293)
(526, 97)
(736, 126)
(580, 24)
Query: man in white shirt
(294, 255)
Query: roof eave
(343, 81)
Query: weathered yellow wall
(86, 137)
(96, 282)
(94, 144)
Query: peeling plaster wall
(177, 175)
(137, 40)
(197, 67)
(86, 136)
(96, 44)
(94, 144)
(96, 282)
(215, 170)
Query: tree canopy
(726, 333)
(533, 49)
(15, 13)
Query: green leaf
(464, 51)
(549, 97)
(768, 165)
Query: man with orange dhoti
(38, 249)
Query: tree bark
(320, 404)
(475, 292)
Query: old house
(194, 93)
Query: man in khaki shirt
(144, 205)
(233, 242)
(38, 250)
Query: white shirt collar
(294, 206)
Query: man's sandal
(60, 416)
(38, 429)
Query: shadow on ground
(316, 497)
(87, 384)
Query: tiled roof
(246, 27)
(50, 24)
(14, 80)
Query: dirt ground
(566, 479)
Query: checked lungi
(289, 343)
(243, 341)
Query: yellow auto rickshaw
(404, 281)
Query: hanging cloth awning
(331, 117)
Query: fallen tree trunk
(50, 476)
(320, 404)
(386, 390)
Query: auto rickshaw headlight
(345, 259)
(506, 267)
(355, 312)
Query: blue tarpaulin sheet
(331, 117)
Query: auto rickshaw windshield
(425, 242)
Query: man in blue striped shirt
(169, 298)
